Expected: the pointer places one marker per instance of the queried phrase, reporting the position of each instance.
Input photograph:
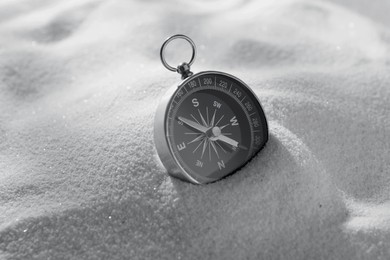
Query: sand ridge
(79, 175)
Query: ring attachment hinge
(184, 68)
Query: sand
(79, 174)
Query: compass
(208, 125)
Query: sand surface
(79, 175)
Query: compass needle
(193, 124)
(227, 140)
(242, 147)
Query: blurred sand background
(79, 175)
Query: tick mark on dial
(209, 150)
(204, 147)
(196, 139)
(215, 149)
(198, 146)
(219, 119)
(221, 147)
(213, 118)
(222, 127)
(201, 117)
(207, 112)
(194, 118)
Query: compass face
(214, 125)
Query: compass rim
(173, 164)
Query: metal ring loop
(177, 36)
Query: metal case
(163, 147)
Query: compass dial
(214, 125)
